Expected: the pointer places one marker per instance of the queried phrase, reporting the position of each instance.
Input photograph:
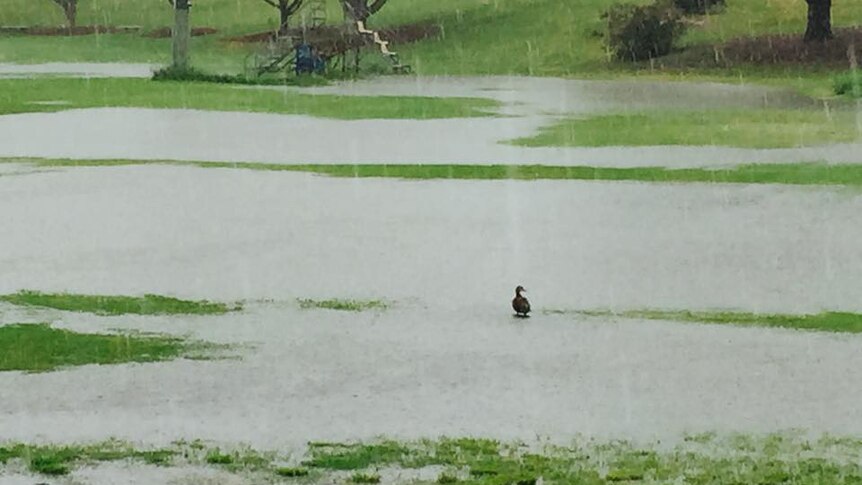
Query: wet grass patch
(21, 96)
(118, 305)
(737, 128)
(843, 322)
(54, 460)
(40, 348)
(764, 459)
(810, 173)
(343, 305)
(740, 458)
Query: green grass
(844, 322)
(23, 95)
(770, 459)
(738, 128)
(117, 305)
(39, 348)
(292, 472)
(343, 305)
(707, 458)
(365, 478)
(814, 173)
(526, 37)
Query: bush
(849, 84)
(193, 75)
(697, 7)
(640, 32)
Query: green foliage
(849, 84)
(697, 7)
(38, 348)
(343, 305)
(641, 32)
(117, 305)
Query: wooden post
(181, 34)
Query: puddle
(77, 69)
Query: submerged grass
(118, 305)
(39, 348)
(826, 321)
(343, 305)
(738, 128)
(30, 95)
(813, 173)
(704, 459)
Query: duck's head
(519, 289)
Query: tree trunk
(181, 34)
(819, 20)
(71, 11)
(284, 10)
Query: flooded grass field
(312, 283)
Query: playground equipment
(316, 45)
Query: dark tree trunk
(284, 23)
(72, 13)
(70, 10)
(819, 20)
(360, 9)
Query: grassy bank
(825, 322)
(525, 37)
(118, 305)
(703, 459)
(788, 174)
(38, 348)
(56, 94)
(737, 128)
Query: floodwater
(528, 104)
(77, 69)
(232, 234)
(448, 358)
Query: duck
(520, 303)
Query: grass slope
(738, 128)
(117, 305)
(788, 174)
(537, 37)
(25, 95)
(38, 347)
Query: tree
(362, 9)
(819, 20)
(70, 10)
(286, 9)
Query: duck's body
(520, 304)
